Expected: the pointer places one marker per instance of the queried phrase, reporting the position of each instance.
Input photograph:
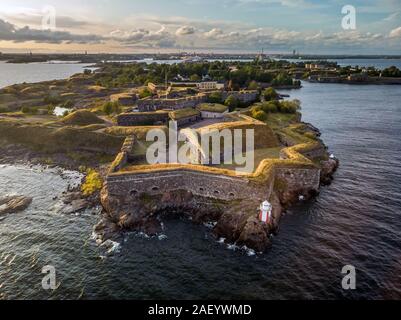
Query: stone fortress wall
(142, 118)
(294, 169)
(149, 104)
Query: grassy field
(212, 107)
(81, 118)
(183, 113)
(259, 156)
(55, 139)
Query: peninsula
(97, 122)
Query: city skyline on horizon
(230, 26)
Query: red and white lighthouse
(265, 214)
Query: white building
(210, 85)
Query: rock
(255, 235)
(106, 230)
(329, 167)
(75, 206)
(14, 204)
(231, 224)
(71, 196)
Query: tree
(270, 106)
(253, 85)
(215, 97)
(391, 72)
(195, 77)
(289, 106)
(270, 94)
(231, 102)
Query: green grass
(280, 120)
(259, 156)
(212, 107)
(183, 113)
(55, 139)
(139, 131)
(81, 118)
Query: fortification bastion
(135, 197)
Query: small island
(97, 123)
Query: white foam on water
(221, 240)
(210, 224)
(111, 246)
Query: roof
(183, 113)
(212, 107)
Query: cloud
(144, 38)
(185, 30)
(35, 19)
(392, 16)
(284, 3)
(10, 32)
(395, 33)
(215, 33)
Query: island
(98, 123)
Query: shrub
(270, 107)
(253, 85)
(232, 103)
(93, 183)
(111, 108)
(215, 97)
(391, 72)
(260, 115)
(289, 106)
(144, 93)
(270, 94)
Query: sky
(240, 26)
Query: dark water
(357, 221)
(12, 73)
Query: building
(185, 116)
(201, 85)
(210, 85)
(149, 104)
(358, 77)
(212, 110)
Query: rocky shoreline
(234, 222)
